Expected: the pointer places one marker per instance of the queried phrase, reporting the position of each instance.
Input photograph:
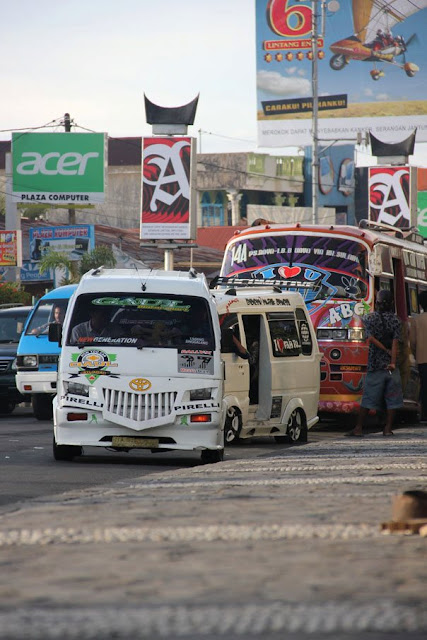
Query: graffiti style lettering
(164, 156)
(388, 201)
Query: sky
(96, 59)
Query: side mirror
(55, 332)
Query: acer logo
(52, 164)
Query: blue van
(37, 358)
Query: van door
(236, 368)
(257, 341)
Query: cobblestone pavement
(288, 545)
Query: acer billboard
(370, 71)
(59, 168)
(168, 196)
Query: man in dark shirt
(382, 383)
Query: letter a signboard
(59, 168)
(168, 199)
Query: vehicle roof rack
(381, 226)
(272, 283)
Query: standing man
(382, 386)
(418, 341)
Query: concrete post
(234, 198)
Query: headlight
(13, 365)
(76, 388)
(332, 334)
(357, 334)
(200, 394)
(30, 361)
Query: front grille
(48, 359)
(5, 364)
(139, 407)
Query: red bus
(338, 270)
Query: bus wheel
(296, 430)
(42, 406)
(65, 451)
(233, 426)
(211, 457)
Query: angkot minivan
(140, 366)
(275, 390)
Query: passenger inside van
(230, 336)
(251, 324)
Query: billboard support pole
(13, 216)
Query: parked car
(12, 321)
(37, 358)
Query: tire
(296, 429)
(7, 406)
(232, 427)
(338, 62)
(65, 452)
(211, 457)
(42, 406)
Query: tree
(101, 256)
(55, 260)
(13, 293)
(98, 257)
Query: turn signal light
(27, 387)
(72, 417)
(201, 417)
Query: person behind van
(382, 382)
(92, 328)
(58, 318)
(418, 339)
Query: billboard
(422, 213)
(392, 191)
(59, 168)
(73, 241)
(10, 248)
(371, 70)
(168, 196)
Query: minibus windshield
(141, 320)
(47, 311)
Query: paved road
(28, 470)
(284, 545)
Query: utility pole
(67, 127)
(314, 125)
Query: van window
(228, 321)
(11, 325)
(285, 340)
(46, 311)
(141, 320)
(304, 332)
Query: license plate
(135, 443)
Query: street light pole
(71, 211)
(314, 125)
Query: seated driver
(93, 328)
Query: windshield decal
(93, 363)
(160, 304)
(195, 361)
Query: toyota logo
(140, 384)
